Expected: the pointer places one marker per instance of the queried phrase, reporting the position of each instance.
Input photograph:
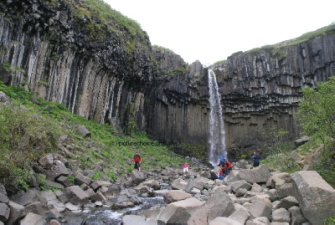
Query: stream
(105, 216)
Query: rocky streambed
(248, 196)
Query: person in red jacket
(228, 167)
(137, 160)
(185, 167)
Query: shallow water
(111, 217)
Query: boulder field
(247, 196)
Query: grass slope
(31, 127)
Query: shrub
(24, 137)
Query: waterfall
(216, 140)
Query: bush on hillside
(24, 137)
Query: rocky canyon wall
(115, 76)
(260, 92)
(60, 57)
(261, 89)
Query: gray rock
(17, 212)
(98, 196)
(297, 217)
(3, 198)
(258, 221)
(65, 181)
(224, 221)
(301, 141)
(83, 131)
(76, 195)
(100, 183)
(178, 212)
(47, 195)
(36, 207)
(4, 98)
(138, 220)
(25, 198)
(261, 208)
(241, 192)
(315, 196)
(53, 184)
(58, 169)
(46, 161)
(179, 184)
(240, 215)
(72, 207)
(80, 179)
(61, 196)
(260, 174)
(287, 202)
(56, 204)
(152, 184)
(240, 184)
(273, 194)
(32, 218)
(285, 190)
(137, 176)
(3, 190)
(4, 212)
(281, 215)
(176, 195)
(256, 188)
(54, 222)
(218, 204)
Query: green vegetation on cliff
(31, 127)
(279, 47)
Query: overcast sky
(212, 30)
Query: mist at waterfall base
(216, 138)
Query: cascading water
(216, 140)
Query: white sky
(212, 30)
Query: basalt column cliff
(109, 72)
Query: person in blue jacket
(256, 158)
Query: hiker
(228, 167)
(222, 160)
(221, 167)
(213, 175)
(137, 160)
(256, 157)
(222, 171)
(185, 167)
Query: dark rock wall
(54, 57)
(262, 89)
(51, 54)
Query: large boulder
(179, 184)
(219, 204)
(4, 212)
(17, 212)
(32, 218)
(260, 208)
(179, 212)
(76, 195)
(176, 195)
(315, 196)
(137, 176)
(260, 174)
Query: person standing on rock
(137, 160)
(256, 158)
(185, 167)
